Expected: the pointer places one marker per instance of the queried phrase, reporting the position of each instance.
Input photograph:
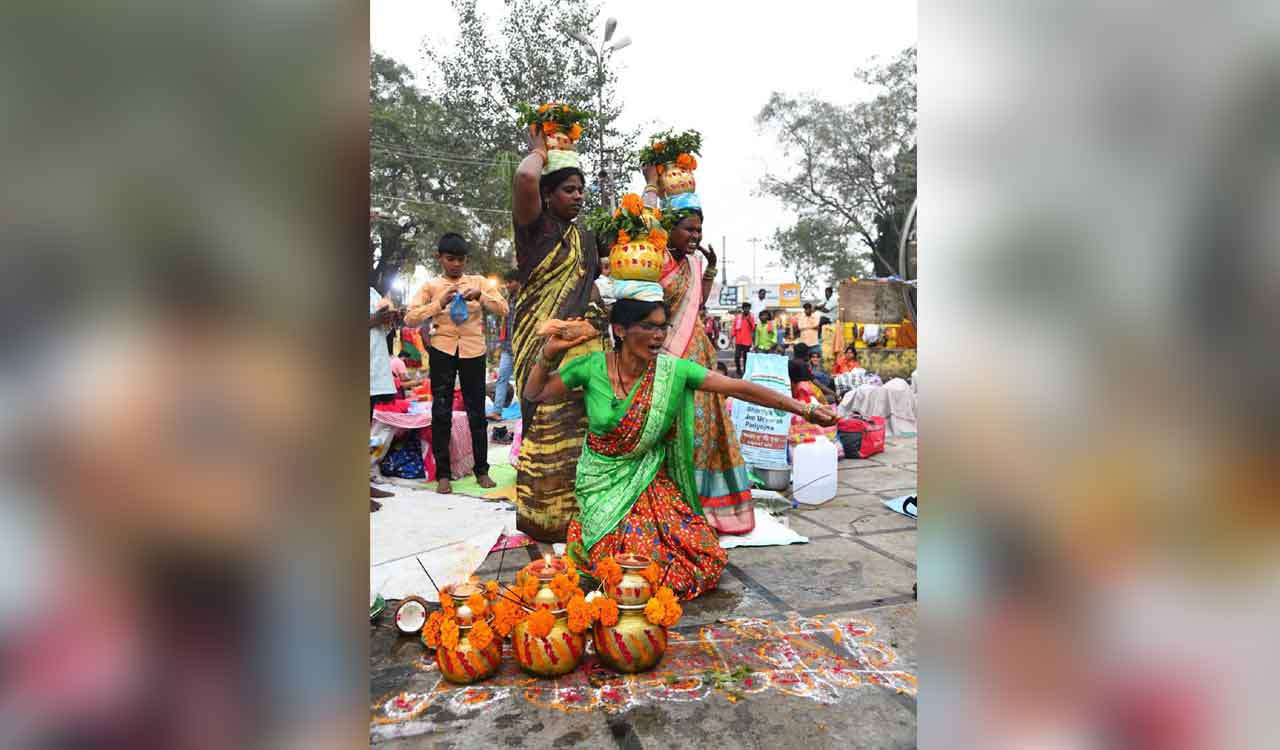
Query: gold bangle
(651, 189)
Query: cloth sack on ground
(902, 407)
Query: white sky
(733, 60)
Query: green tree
(443, 150)
(853, 172)
(481, 79)
(815, 249)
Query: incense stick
(429, 578)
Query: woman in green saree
(635, 480)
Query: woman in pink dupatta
(719, 471)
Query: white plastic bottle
(813, 474)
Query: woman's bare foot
(484, 481)
(444, 487)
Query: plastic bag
(458, 309)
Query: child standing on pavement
(456, 351)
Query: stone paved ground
(828, 629)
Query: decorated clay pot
(632, 645)
(460, 592)
(675, 180)
(559, 141)
(464, 665)
(633, 589)
(637, 260)
(556, 654)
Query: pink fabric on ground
(461, 461)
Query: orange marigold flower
(655, 611)
(431, 630)
(565, 109)
(550, 127)
(505, 617)
(529, 588)
(660, 169)
(657, 214)
(564, 587)
(666, 595)
(836, 635)
(575, 131)
(609, 571)
(478, 604)
(543, 108)
(540, 623)
(685, 161)
(580, 614)
(449, 634)
(652, 573)
(606, 611)
(632, 204)
(658, 237)
(623, 237)
(659, 147)
(671, 613)
(447, 607)
(481, 636)
(491, 589)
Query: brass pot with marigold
(674, 156)
(635, 237)
(561, 124)
(550, 640)
(461, 633)
(632, 636)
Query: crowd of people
(626, 444)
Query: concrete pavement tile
(805, 576)
(879, 478)
(856, 513)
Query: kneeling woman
(635, 485)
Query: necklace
(621, 386)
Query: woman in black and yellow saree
(558, 262)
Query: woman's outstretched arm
(745, 390)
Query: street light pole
(605, 47)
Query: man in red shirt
(744, 331)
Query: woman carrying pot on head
(557, 262)
(635, 482)
(720, 474)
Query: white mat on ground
(450, 534)
(769, 532)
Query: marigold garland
(609, 571)
(606, 611)
(478, 604)
(580, 614)
(632, 204)
(663, 608)
(431, 630)
(449, 634)
(481, 636)
(529, 588)
(685, 161)
(623, 237)
(505, 616)
(564, 587)
(447, 607)
(540, 623)
(491, 589)
(659, 238)
(550, 128)
(575, 132)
